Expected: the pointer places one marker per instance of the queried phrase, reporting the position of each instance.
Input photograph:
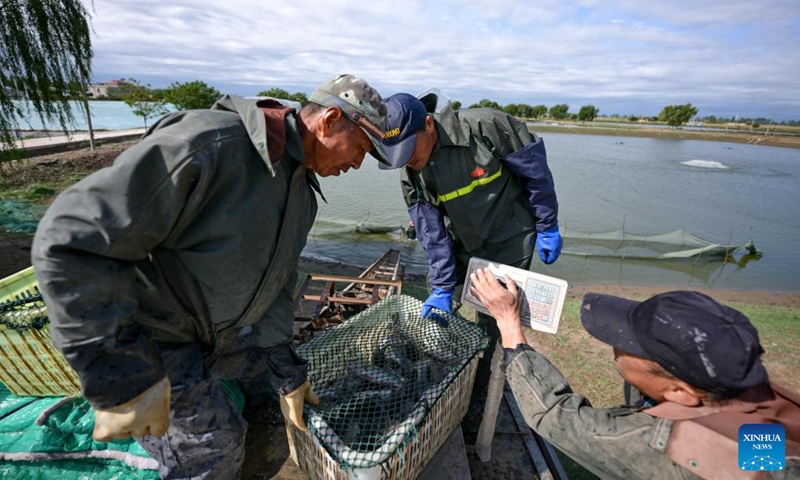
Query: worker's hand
(502, 301)
(292, 404)
(441, 299)
(147, 414)
(549, 243)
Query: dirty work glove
(441, 299)
(147, 414)
(292, 404)
(549, 244)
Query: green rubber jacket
(193, 234)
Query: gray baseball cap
(360, 103)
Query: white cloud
(738, 54)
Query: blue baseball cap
(405, 116)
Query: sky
(626, 57)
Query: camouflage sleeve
(612, 443)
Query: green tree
(456, 105)
(275, 92)
(486, 103)
(299, 97)
(539, 111)
(512, 109)
(191, 95)
(677, 115)
(588, 113)
(519, 110)
(559, 112)
(46, 59)
(144, 102)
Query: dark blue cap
(405, 117)
(692, 336)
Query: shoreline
(754, 138)
(417, 282)
(786, 140)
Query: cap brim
(399, 154)
(378, 148)
(607, 318)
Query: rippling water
(721, 192)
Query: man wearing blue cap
(697, 363)
(476, 183)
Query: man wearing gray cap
(174, 268)
(696, 361)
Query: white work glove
(147, 414)
(292, 404)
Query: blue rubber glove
(441, 299)
(549, 243)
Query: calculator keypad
(541, 302)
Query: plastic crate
(29, 364)
(412, 441)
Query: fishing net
(19, 217)
(379, 374)
(25, 311)
(675, 245)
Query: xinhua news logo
(762, 447)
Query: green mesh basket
(380, 376)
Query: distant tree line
(148, 102)
(199, 95)
(587, 113)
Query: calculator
(542, 296)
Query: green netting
(675, 245)
(25, 311)
(379, 374)
(51, 438)
(19, 217)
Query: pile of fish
(364, 405)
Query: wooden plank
(323, 299)
(542, 468)
(552, 457)
(342, 300)
(450, 462)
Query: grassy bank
(588, 363)
(755, 138)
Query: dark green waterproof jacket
(488, 184)
(192, 234)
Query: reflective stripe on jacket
(489, 181)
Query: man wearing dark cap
(174, 268)
(476, 183)
(697, 364)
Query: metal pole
(88, 113)
(494, 395)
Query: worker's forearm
(511, 331)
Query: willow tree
(45, 61)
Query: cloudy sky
(739, 57)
